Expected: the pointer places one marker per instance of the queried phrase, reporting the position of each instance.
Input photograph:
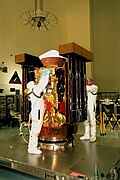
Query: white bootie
(87, 132)
(92, 139)
(32, 146)
(93, 132)
(34, 151)
(84, 138)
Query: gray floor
(84, 159)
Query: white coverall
(90, 123)
(37, 110)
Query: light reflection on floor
(81, 159)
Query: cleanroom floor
(85, 158)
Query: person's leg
(86, 135)
(35, 130)
(33, 138)
(93, 127)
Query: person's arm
(42, 83)
(92, 88)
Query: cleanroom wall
(15, 38)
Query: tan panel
(75, 48)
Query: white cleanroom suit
(90, 123)
(37, 110)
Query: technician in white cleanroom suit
(37, 110)
(90, 123)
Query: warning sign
(15, 79)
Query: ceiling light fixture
(38, 19)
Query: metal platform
(84, 160)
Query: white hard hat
(51, 54)
(30, 85)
